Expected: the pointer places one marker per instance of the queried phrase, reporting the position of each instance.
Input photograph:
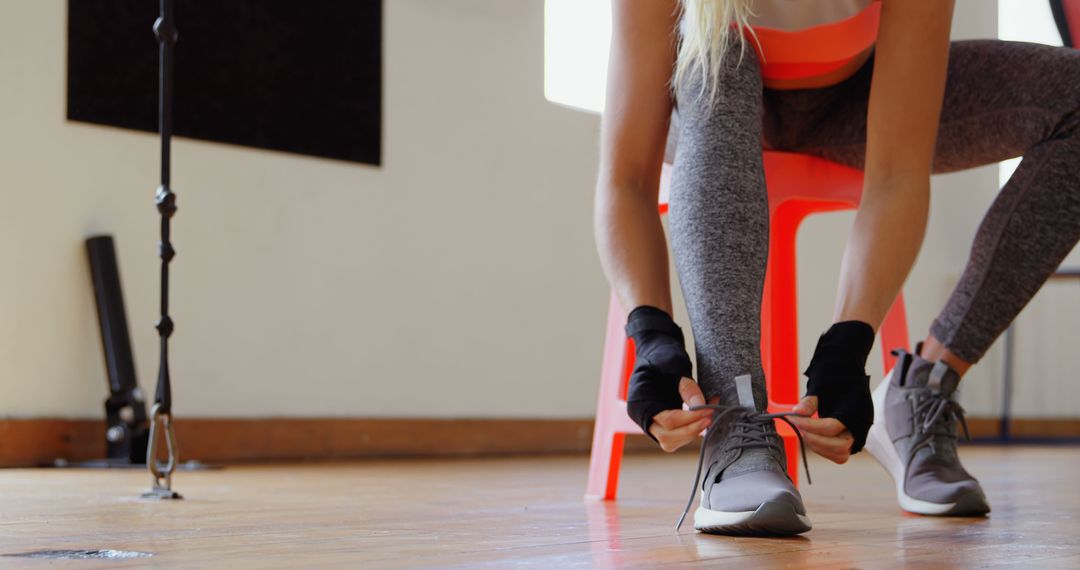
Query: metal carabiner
(161, 471)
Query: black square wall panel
(299, 76)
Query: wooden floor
(525, 512)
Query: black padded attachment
(837, 376)
(661, 362)
(646, 319)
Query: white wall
(459, 279)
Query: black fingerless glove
(837, 376)
(660, 363)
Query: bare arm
(633, 135)
(629, 236)
(906, 94)
(905, 106)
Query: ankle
(934, 350)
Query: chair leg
(779, 307)
(607, 451)
(607, 445)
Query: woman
(910, 104)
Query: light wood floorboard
(528, 513)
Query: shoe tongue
(745, 390)
(934, 375)
(943, 379)
(749, 459)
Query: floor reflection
(629, 535)
(604, 533)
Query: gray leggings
(1002, 100)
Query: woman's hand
(676, 428)
(826, 436)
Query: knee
(738, 88)
(1069, 64)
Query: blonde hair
(706, 36)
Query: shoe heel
(877, 440)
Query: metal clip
(161, 472)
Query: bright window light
(577, 34)
(1027, 21)
(1024, 21)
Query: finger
(807, 406)
(671, 440)
(681, 418)
(690, 431)
(822, 426)
(824, 444)
(831, 456)
(831, 426)
(806, 424)
(661, 419)
(691, 392)
(831, 448)
(674, 419)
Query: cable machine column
(161, 413)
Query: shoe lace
(746, 428)
(938, 411)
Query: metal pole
(161, 413)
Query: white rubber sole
(881, 447)
(772, 518)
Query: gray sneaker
(746, 489)
(914, 438)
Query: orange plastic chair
(798, 185)
(1072, 19)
